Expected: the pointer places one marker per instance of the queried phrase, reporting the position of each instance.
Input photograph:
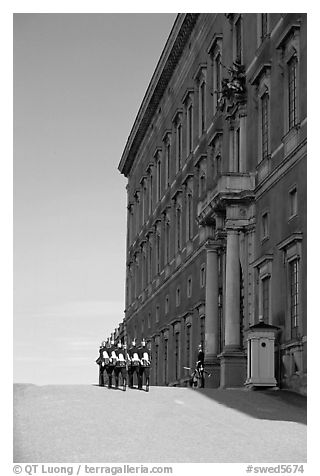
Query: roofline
(170, 55)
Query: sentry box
(260, 358)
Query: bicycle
(196, 379)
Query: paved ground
(79, 423)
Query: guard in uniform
(200, 365)
(101, 362)
(145, 361)
(112, 362)
(121, 366)
(134, 363)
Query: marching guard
(121, 365)
(145, 361)
(101, 362)
(134, 363)
(200, 365)
(112, 361)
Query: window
(178, 228)
(263, 270)
(203, 276)
(190, 128)
(202, 331)
(217, 79)
(215, 50)
(179, 146)
(150, 191)
(189, 287)
(166, 308)
(292, 92)
(189, 215)
(178, 297)
(149, 320)
(158, 248)
(292, 252)
(265, 125)
(265, 298)
(167, 238)
(168, 157)
(157, 313)
(265, 225)
(238, 40)
(202, 106)
(264, 25)
(158, 166)
(149, 261)
(188, 347)
(293, 202)
(202, 183)
(289, 46)
(294, 297)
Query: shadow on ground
(281, 405)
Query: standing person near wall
(134, 363)
(200, 365)
(112, 361)
(145, 359)
(120, 367)
(101, 362)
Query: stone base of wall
(296, 383)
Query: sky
(78, 82)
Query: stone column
(232, 316)
(212, 316)
(233, 362)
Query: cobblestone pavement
(87, 423)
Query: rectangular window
(265, 298)
(168, 153)
(158, 179)
(176, 352)
(294, 297)
(150, 193)
(178, 228)
(179, 146)
(238, 41)
(167, 305)
(264, 25)
(189, 287)
(178, 297)
(265, 126)
(202, 331)
(293, 202)
(203, 276)
(188, 346)
(202, 106)
(292, 92)
(265, 225)
(189, 216)
(218, 78)
(157, 313)
(158, 252)
(190, 128)
(167, 241)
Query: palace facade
(216, 198)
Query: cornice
(170, 56)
